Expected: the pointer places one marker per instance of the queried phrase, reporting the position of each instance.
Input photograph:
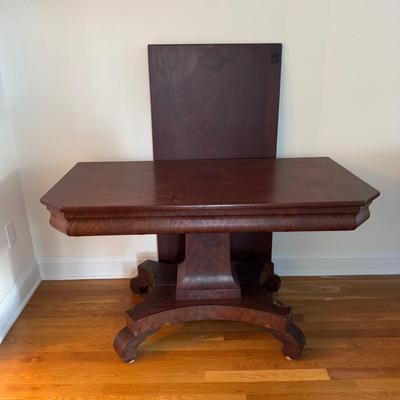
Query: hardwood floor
(61, 347)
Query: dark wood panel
(207, 187)
(215, 101)
(182, 196)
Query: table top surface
(203, 185)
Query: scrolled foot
(144, 281)
(291, 352)
(293, 341)
(138, 286)
(152, 274)
(126, 343)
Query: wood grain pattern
(207, 200)
(60, 347)
(206, 271)
(214, 101)
(115, 198)
(278, 375)
(172, 301)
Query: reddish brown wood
(260, 195)
(126, 343)
(147, 279)
(171, 248)
(249, 273)
(212, 102)
(206, 272)
(162, 307)
(207, 200)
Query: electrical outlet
(11, 235)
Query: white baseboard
(106, 267)
(120, 267)
(337, 265)
(15, 300)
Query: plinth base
(161, 307)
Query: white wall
(19, 273)
(76, 82)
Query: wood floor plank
(361, 395)
(363, 373)
(61, 347)
(274, 375)
(290, 390)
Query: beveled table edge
(316, 219)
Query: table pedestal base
(206, 286)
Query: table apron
(201, 224)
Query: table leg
(205, 286)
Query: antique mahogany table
(207, 200)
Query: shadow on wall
(377, 237)
(18, 270)
(10, 259)
(380, 169)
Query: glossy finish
(206, 271)
(260, 195)
(207, 200)
(206, 285)
(210, 102)
(214, 101)
(169, 304)
(59, 348)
